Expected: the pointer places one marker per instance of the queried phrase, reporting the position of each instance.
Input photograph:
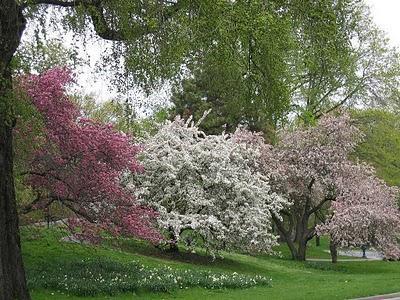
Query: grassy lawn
(290, 280)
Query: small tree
(364, 212)
(207, 186)
(79, 163)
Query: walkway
(394, 296)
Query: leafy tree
(381, 142)
(335, 56)
(122, 116)
(151, 40)
(241, 73)
(206, 187)
(342, 59)
(79, 164)
(40, 57)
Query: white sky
(386, 14)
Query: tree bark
(333, 250)
(12, 275)
(301, 253)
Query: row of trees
(223, 191)
(229, 189)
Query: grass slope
(290, 280)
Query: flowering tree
(311, 166)
(207, 186)
(304, 165)
(365, 212)
(79, 163)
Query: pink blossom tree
(365, 212)
(80, 163)
(312, 167)
(303, 166)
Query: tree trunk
(317, 241)
(333, 250)
(301, 253)
(292, 248)
(12, 274)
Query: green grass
(290, 279)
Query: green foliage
(240, 69)
(311, 57)
(43, 55)
(27, 139)
(381, 144)
(122, 115)
(343, 59)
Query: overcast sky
(386, 14)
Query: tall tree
(342, 59)
(334, 55)
(241, 74)
(12, 274)
(152, 38)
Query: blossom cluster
(80, 163)
(208, 187)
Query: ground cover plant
(92, 277)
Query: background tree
(335, 56)
(40, 56)
(122, 116)
(381, 142)
(342, 59)
(241, 72)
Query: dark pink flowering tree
(80, 164)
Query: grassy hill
(51, 263)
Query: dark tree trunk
(333, 250)
(173, 243)
(12, 274)
(301, 253)
(317, 241)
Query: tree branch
(61, 3)
(319, 206)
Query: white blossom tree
(208, 187)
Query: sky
(386, 14)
